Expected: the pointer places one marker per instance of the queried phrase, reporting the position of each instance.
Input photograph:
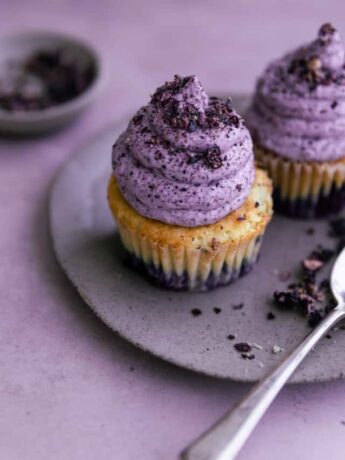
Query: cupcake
(190, 206)
(297, 120)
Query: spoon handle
(225, 439)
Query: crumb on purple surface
(270, 316)
(196, 312)
(248, 356)
(322, 254)
(314, 318)
(294, 298)
(337, 227)
(306, 296)
(243, 347)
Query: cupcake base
(308, 208)
(182, 282)
(195, 258)
(305, 189)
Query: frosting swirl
(298, 110)
(184, 159)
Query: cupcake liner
(305, 189)
(195, 258)
(187, 269)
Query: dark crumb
(322, 254)
(238, 187)
(270, 316)
(294, 298)
(310, 231)
(326, 29)
(238, 306)
(308, 296)
(138, 118)
(314, 318)
(338, 227)
(241, 218)
(213, 158)
(217, 310)
(248, 356)
(131, 369)
(231, 337)
(243, 347)
(196, 312)
(194, 159)
(342, 422)
(257, 204)
(161, 95)
(328, 336)
(325, 285)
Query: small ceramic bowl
(20, 46)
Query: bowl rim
(67, 107)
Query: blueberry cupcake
(190, 206)
(297, 120)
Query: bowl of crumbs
(46, 80)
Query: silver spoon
(225, 439)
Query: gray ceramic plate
(160, 321)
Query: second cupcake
(190, 206)
(297, 120)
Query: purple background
(69, 387)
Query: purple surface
(66, 385)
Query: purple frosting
(298, 110)
(185, 159)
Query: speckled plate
(160, 321)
